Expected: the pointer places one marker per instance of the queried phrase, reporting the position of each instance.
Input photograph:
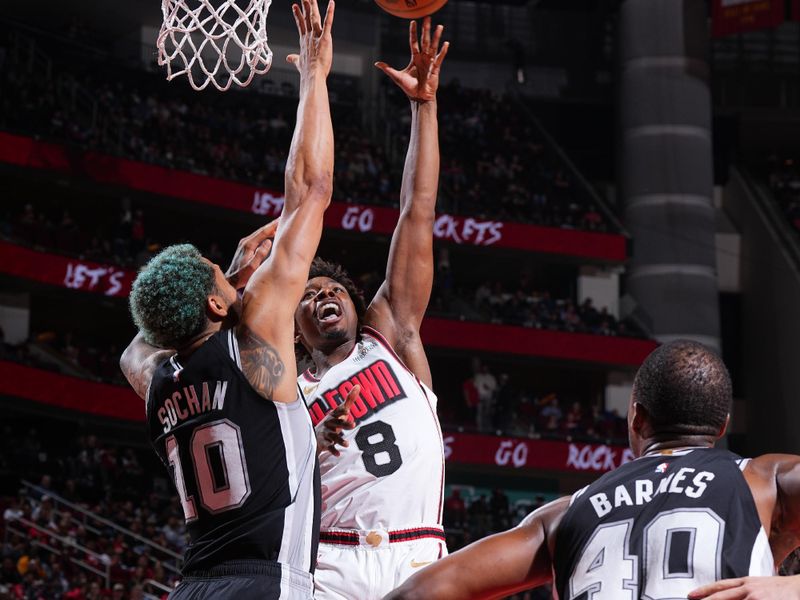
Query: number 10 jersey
(392, 474)
(245, 467)
(660, 526)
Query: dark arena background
(614, 175)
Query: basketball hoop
(220, 44)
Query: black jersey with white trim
(245, 468)
(660, 526)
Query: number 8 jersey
(245, 468)
(391, 476)
(660, 526)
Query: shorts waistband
(265, 568)
(377, 538)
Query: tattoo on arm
(261, 363)
(140, 375)
(140, 381)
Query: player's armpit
(750, 588)
(493, 567)
(261, 363)
(138, 363)
(776, 489)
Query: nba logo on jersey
(662, 468)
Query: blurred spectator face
(137, 593)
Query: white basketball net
(219, 44)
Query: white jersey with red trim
(391, 476)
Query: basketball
(411, 9)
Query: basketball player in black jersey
(682, 515)
(223, 411)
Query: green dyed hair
(168, 298)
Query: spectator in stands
(574, 420)
(486, 384)
(506, 404)
(175, 533)
(5, 349)
(500, 509)
(455, 510)
(471, 400)
(8, 572)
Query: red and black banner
(522, 453)
(71, 393)
(110, 280)
(61, 271)
(117, 402)
(730, 17)
(795, 10)
(30, 153)
(528, 341)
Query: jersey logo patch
(662, 468)
(380, 387)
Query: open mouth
(329, 312)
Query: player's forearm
(421, 171)
(432, 583)
(309, 169)
(137, 362)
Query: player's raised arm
(399, 306)
(494, 567)
(138, 363)
(266, 331)
(140, 359)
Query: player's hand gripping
(250, 253)
(316, 43)
(750, 588)
(331, 433)
(420, 79)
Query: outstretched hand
(420, 79)
(316, 43)
(750, 588)
(250, 253)
(331, 433)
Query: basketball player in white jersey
(382, 488)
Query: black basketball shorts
(245, 580)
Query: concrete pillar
(666, 166)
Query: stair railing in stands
(170, 560)
(152, 583)
(567, 162)
(766, 203)
(44, 535)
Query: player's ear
(298, 337)
(216, 307)
(639, 417)
(724, 427)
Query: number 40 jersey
(660, 526)
(391, 476)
